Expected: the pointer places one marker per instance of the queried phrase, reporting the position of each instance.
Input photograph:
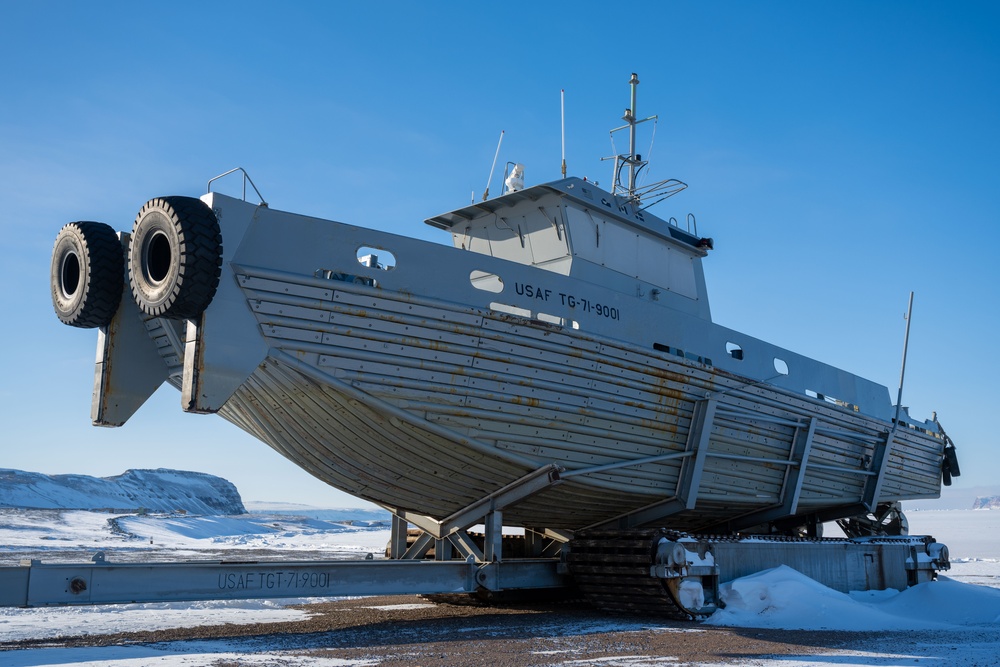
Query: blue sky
(841, 155)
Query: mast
(562, 123)
(631, 192)
(486, 192)
(629, 118)
(634, 162)
(902, 370)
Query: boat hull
(432, 427)
(413, 388)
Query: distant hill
(954, 498)
(987, 503)
(365, 516)
(159, 490)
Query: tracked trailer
(555, 369)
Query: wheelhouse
(575, 229)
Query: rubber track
(611, 569)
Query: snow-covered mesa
(160, 490)
(166, 515)
(986, 503)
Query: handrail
(246, 177)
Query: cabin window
(631, 252)
(474, 238)
(507, 239)
(780, 366)
(541, 230)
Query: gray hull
(409, 388)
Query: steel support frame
(698, 442)
(880, 460)
(37, 584)
(194, 366)
(128, 367)
(686, 494)
(101, 582)
(791, 488)
(451, 533)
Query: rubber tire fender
(175, 257)
(87, 275)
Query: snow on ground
(965, 604)
(966, 596)
(255, 531)
(48, 623)
(172, 654)
(52, 534)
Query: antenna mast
(635, 163)
(629, 118)
(486, 193)
(562, 112)
(902, 370)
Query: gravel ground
(409, 630)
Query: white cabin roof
(583, 193)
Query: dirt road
(410, 630)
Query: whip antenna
(902, 370)
(562, 122)
(486, 194)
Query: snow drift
(787, 599)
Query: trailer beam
(38, 584)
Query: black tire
(87, 274)
(951, 458)
(175, 257)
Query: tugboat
(555, 368)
